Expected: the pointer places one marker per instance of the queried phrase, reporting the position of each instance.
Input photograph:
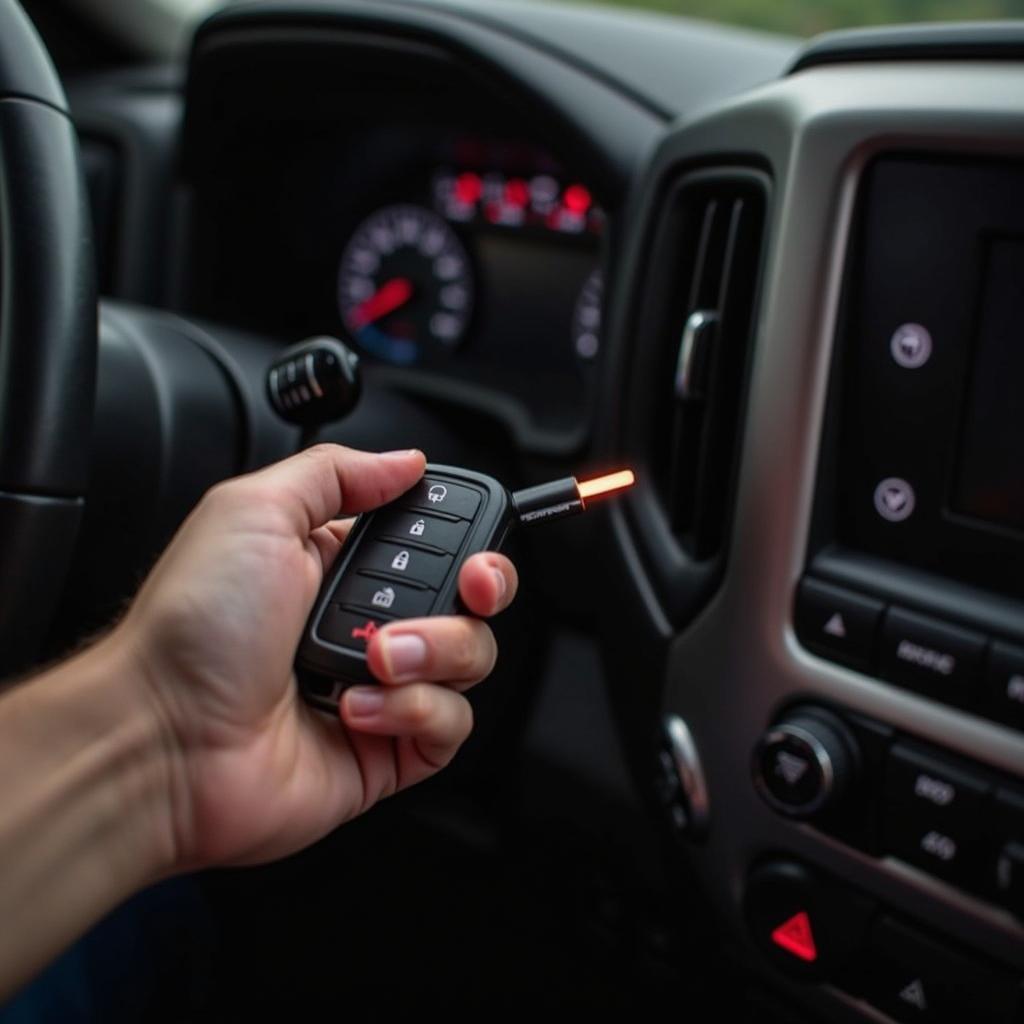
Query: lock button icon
(417, 528)
(401, 561)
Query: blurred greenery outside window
(808, 17)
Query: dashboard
(436, 229)
(476, 257)
(782, 283)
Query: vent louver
(688, 396)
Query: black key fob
(400, 561)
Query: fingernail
(364, 701)
(405, 654)
(502, 583)
(402, 453)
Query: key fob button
(388, 597)
(348, 629)
(408, 562)
(440, 496)
(420, 528)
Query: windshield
(794, 17)
(163, 27)
(809, 17)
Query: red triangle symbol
(795, 936)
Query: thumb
(319, 483)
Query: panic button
(932, 657)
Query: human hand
(252, 772)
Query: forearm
(83, 815)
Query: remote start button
(442, 497)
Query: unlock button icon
(401, 561)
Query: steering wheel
(47, 339)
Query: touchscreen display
(989, 483)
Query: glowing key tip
(606, 484)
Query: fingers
(313, 486)
(438, 718)
(329, 539)
(488, 583)
(452, 649)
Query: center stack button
(805, 762)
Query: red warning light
(517, 192)
(577, 199)
(468, 188)
(795, 936)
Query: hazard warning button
(796, 936)
(807, 925)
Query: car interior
(752, 750)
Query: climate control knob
(805, 762)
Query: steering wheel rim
(48, 341)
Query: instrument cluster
(458, 255)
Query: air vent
(690, 378)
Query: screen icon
(911, 346)
(894, 499)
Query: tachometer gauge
(405, 286)
(586, 318)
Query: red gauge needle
(386, 299)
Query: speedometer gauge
(405, 286)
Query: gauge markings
(405, 287)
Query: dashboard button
(837, 623)
(379, 595)
(348, 629)
(1005, 684)
(446, 535)
(933, 810)
(929, 783)
(944, 850)
(809, 927)
(406, 561)
(912, 978)
(1008, 868)
(442, 496)
(804, 763)
(932, 657)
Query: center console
(916, 561)
(842, 717)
